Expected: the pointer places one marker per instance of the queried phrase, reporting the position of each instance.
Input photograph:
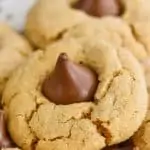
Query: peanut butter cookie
(81, 94)
(14, 49)
(128, 27)
(49, 20)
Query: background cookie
(137, 16)
(113, 118)
(14, 49)
(49, 20)
(141, 138)
(47, 23)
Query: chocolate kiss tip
(70, 82)
(62, 57)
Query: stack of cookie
(86, 86)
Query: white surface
(14, 12)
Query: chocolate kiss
(70, 82)
(100, 8)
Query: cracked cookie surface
(142, 136)
(137, 15)
(14, 49)
(119, 106)
(130, 30)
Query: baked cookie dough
(118, 109)
(14, 49)
(49, 20)
(118, 34)
(130, 30)
(146, 67)
(137, 15)
(142, 137)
